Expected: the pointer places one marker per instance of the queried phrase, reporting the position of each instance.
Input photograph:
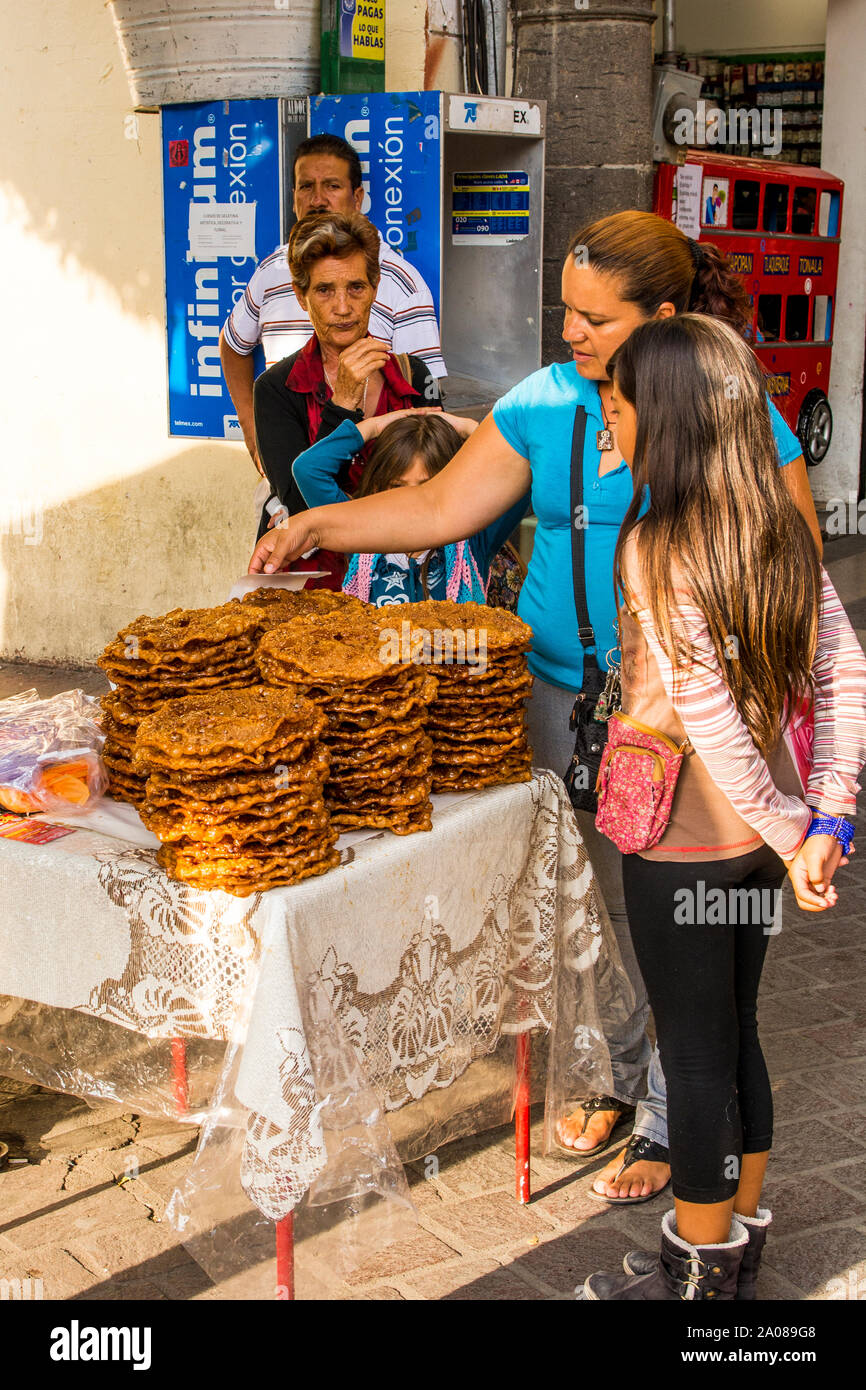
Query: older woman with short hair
(341, 373)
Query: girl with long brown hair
(728, 623)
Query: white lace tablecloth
(343, 997)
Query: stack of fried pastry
(477, 722)
(235, 784)
(377, 712)
(282, 605)
(155, 659)
(120, 721)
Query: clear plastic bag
(50, 752)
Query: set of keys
(610, 698)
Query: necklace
(363, 405)
(604, 438)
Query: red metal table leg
(521, 1117)
(286, 1258)
(179, 1077)
(285, 1233)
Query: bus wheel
(815, 426)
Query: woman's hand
(462, 424)
(358, 362)
(811, 872)
(372, 427)
(285, 542)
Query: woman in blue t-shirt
(619, 272)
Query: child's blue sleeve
(315, 470)
(486, 543)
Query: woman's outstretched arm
(482, 481)
(797, 482)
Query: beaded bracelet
(837, 826)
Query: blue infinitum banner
(397, 137)
(216, 157)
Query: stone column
(592, 61)
(843, 153)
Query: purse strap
(578, 542)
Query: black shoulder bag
(595, 700)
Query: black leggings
(701, 952)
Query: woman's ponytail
(716, 289)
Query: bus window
(803, 212)
(769, 317)
(821, 330)
(797, 318)
(828, 214)
(747, 195)
(775, 207)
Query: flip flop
(589, 1108)
(638, 1149)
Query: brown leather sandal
(638, 1149)
(591, 1107)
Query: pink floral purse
(636, 783)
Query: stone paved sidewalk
(68, 1217)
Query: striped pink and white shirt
(722, 741)
(268, 312)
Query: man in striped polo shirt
(326, 177)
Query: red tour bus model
(779, 225)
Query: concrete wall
(738, 26)
(405, 46)
(132, 521)
(596, 74)
(443, 67)
(102, 515)
(843, 151)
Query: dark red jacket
(293, 409)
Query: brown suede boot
(641, 1262)
(683, 1271)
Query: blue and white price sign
(490, 208)
(221, 199)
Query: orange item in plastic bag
(14, 800)
(67, 781)
(50, 752)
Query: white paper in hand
(249, 582)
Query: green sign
(353, 46)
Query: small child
(411, 447)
